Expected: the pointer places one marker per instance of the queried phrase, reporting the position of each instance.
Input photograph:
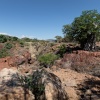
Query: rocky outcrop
(16, 93)
(48, 85)
(18, 60)
(7, 74)
(82, 61)
(11, 88)
(44, 86)
(79, 86)
(15, 61)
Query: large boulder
(47, 86)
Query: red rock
(15, 61)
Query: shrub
(14, 38)
(52, 44)
(8, 45)
(26, 39)
(3, 39)
(3, 53)
(62, 50)
(33, 82)
(47, 59)
(21, 43)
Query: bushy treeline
(6, 38)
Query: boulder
(50, 84)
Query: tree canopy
(58, 39)
(85, 29)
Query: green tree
(85, 29)
(58, 39)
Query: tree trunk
(90, 43)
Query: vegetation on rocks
(41, 82)
(3, 39)
(47, 60)
(50, 70)
(4, 53)
(8, 46)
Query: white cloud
(26, 36)
(4, 33)
(23, 36)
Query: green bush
(21, 43)
(25, 39)
(8, 46)
(52, 44)
(47, 59)
(62, 50)
(14, 38)
(3, 39)
(3, 53)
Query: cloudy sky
(42, 19)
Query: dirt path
(32, 49)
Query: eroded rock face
(16, 93)
(53, 89)
(79, 86)
(15, 61)
(11, 88)
(46, 86)
(7, 74)
(18, 60)
(82, 61)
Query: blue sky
(42, 19)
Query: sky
(41, 19)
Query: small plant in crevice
(32, 83)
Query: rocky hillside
(74, 75)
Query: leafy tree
(58, 38)
(85, 29)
